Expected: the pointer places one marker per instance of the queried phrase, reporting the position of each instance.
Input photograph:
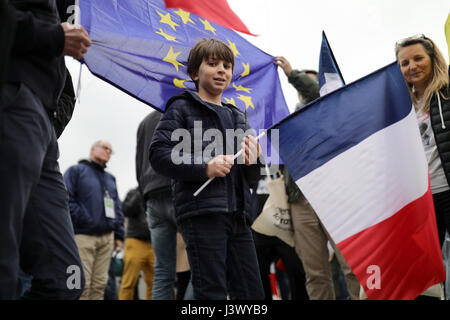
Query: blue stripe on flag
(340, 120)
(327, 62)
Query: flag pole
(77, 22)
(235, 156)
(77, 11)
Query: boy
(215, 223)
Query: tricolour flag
(142, 48)
(357, 156)
(217, 11)
(330, 77)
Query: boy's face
(213, 77)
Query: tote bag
(275, 218)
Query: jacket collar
(93, 164)
(197, 98)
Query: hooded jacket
(87, 183)
(440, 123)
(219, 196)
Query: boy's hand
(252, 150)
(219, 166)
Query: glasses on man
(107, 149)
(417, 37)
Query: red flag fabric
(218, 11)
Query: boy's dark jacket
(181, 112)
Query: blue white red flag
(357, 156)
(330, 77)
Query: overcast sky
(361, 33)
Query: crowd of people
(58, 233)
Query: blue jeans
(163, 229)
(222, 257)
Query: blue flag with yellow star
(142, 48)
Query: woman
(426, 74)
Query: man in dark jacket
(138, 255)
(97, 217)
(156, 191)
(34, 218)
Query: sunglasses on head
(418, 37)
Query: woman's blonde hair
(439, 76)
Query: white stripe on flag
(369, 182)
(332, 82)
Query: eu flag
(142, 48)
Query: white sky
(362, 34)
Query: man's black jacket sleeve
(65, 107)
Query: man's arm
(308, 87)
(65, 107)
(119, 230)
(77, 212)
(36, 36)
(7, 32)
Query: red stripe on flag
(217, 11)
(403, 248)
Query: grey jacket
(150, 182)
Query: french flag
(330, 77)
(357, 156)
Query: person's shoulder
(152, 116)
(233, 108)
(81, 164)
(187, 98)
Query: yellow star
(167, 36)
(171, 57)
(185, 16)
(165, 18)
(247, 100)
(246, 69)
(179, 83)
(233, 48)
(208, 26)
(230, 101)
(241, 88)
